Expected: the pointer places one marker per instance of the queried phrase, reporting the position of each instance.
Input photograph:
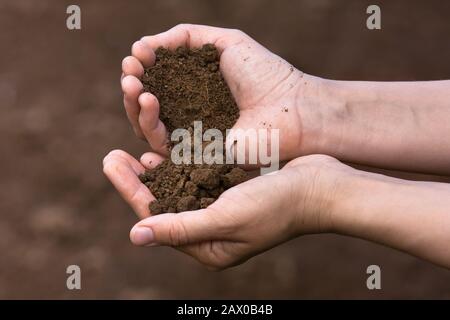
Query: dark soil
(190, 87)
(189, 187)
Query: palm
(265, 88)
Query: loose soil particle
(190, 87)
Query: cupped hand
(245, 220)
(269, 91)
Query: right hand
(263, 85)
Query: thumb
(177, 229)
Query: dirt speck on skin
(190, 87)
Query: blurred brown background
(61, 112)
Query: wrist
(321, 106)
(358, 195)
(319, 185)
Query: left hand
(245, 220)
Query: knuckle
(109, 168)
(131, 84)
(125, 62)
(116, 153)
(135, 45)
(177, 234)
(238, 33)
(183, 26)
(127, 78)
(113, 160)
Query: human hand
(245, 220)
(270, 92)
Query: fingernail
(142, 236)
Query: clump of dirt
(190, 87)
(189, 187)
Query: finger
(143, 53)
(132, 67)
(132, 88)
(193, 36)
(135, 165)
(150, 160)
(178, 229)
(153, 129)
(123, 174)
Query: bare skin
(393, 125)
(401, 126)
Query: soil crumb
(190, 87)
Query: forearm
(410, 216)
(395, 125)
